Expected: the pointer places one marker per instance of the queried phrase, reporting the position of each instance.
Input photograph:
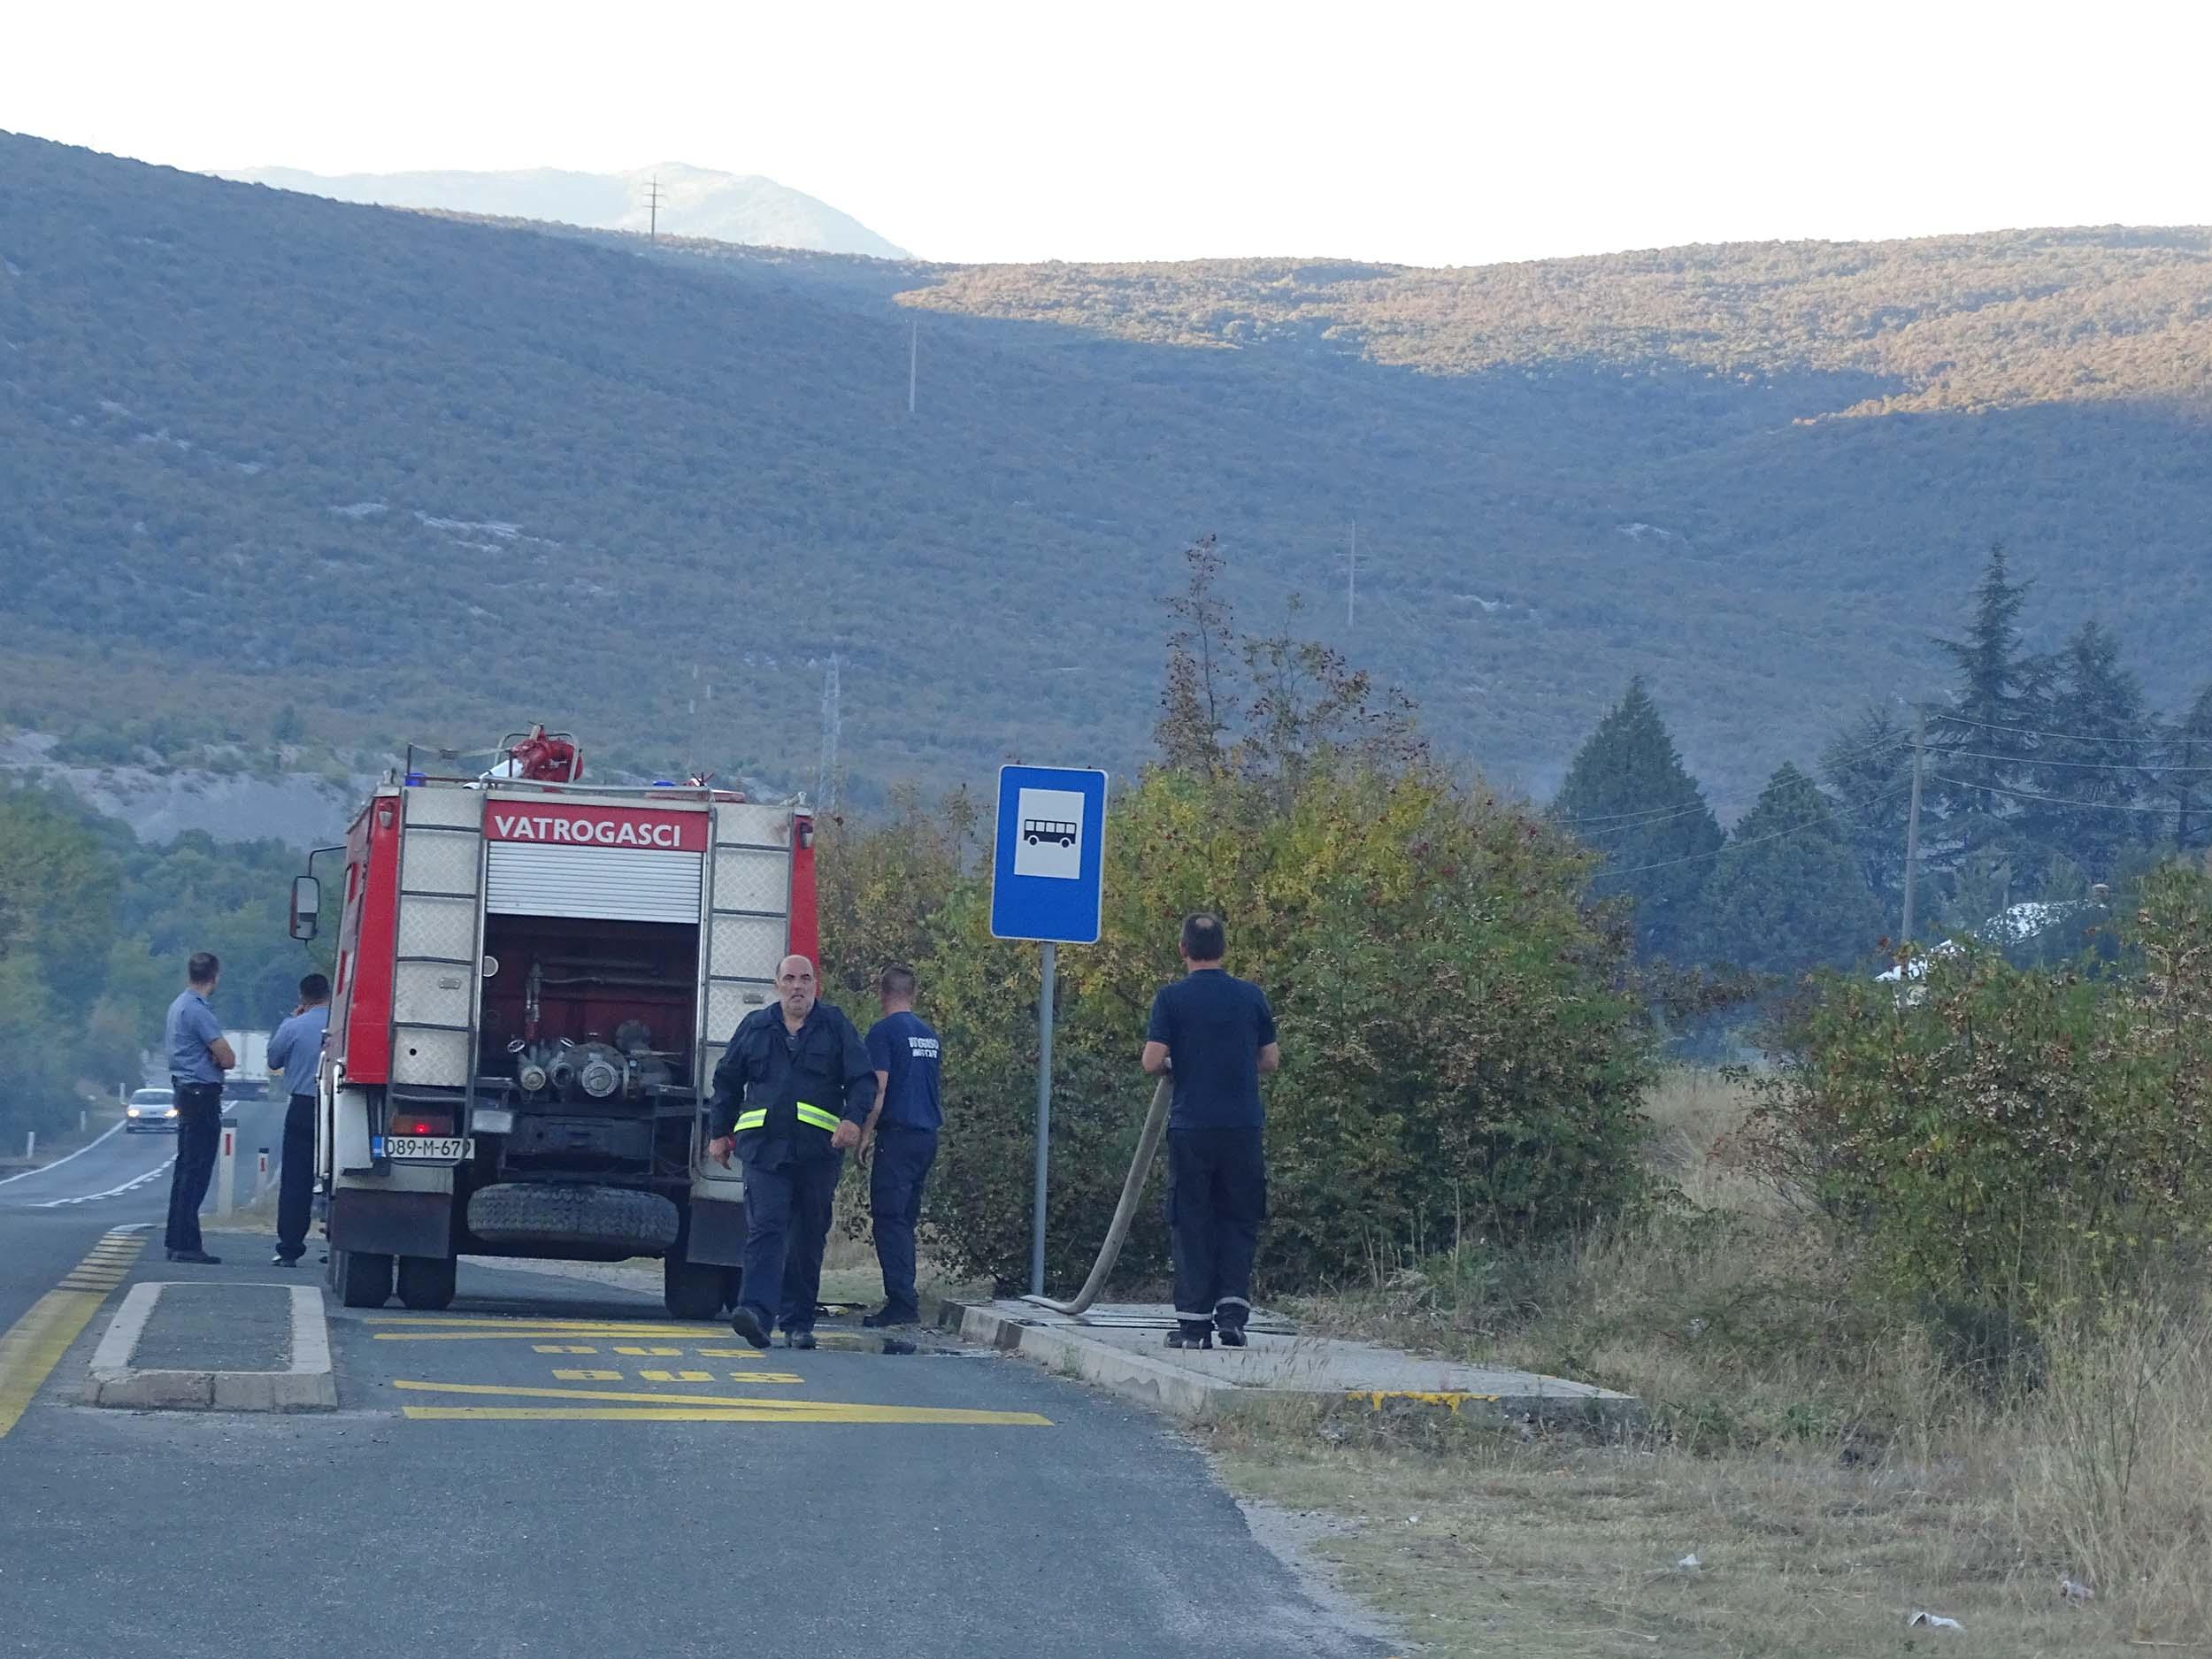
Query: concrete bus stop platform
(1123, 1348)
(215, 1345)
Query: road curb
(1196, 1396)
(306, 1384)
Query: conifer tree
(2186, 778)
(1868, 770)
(1985, 739)
(1787, 893)
(1628, 796)
(2098, 761)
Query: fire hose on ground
(1125, 1211)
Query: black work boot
(747, 1325)
(1189, 1335)
(1233, 1336)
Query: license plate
(423, 1149)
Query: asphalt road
(51, 1216)
(552, 1469)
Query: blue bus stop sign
(1048, 860)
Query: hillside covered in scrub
(403, 476)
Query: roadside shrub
(2006, 1142)
(1459, 1060)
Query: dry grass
(1830, 1468)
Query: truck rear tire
(426, 1282)
(690, 1290)
(575, 1218)
(361, 1279)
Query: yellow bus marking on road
(570, 1375)
(533, 1337)
(32, 1346)
(780, 1411)
(656, 1352)
(560, 1327)
(827, 1417)
(672, 1376)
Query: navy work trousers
(1217, 1197)
(903, 1157)
(199, 1137)
(296, 1178)
(787, 1227)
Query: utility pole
(1351, 580)
(913, 364)
(1912, 822)
(825, 783)
(653, 207)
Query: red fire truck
(535, 978)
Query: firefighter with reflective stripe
(790, 1096)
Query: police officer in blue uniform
(790, 1096)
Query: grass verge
(1817, 1468)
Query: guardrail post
(227, 1172)
(30, 1145)
(261, 1175)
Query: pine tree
(2101, 764)
(1789, 894)
(1985, 742)
(2186, 774)
(1868, 768)
(1628, 796)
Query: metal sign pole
(1049, 955)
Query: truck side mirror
(307, 907)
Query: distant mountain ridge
(695, 202)
(437, 478)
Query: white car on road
(151, 1109)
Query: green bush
(1457, 1058)
(2005, 1140)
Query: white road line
(113, 1192)
(65, 1158)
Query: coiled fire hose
(1125, 1211)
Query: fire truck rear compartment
(585, 1030)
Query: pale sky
(1433, 134)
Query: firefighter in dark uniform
(1216, 1034)
(790, 1096)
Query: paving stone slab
(1129, 1356)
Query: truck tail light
(413, 1121)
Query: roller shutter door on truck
(614, 863)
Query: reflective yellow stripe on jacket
(757, 1117)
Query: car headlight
(172, 1112)
(132, 1112)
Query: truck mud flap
(391, 1223)
(717, 1234)
(561, 1218)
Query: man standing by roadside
(198, 1056)
(1216, 1034)
(790, 1096)
(902, 1133)
(297, 1049)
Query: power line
(2094, 765)
(1772, 835)
(2055, 800)
(2030, 731)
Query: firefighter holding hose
(1215, 1034)
(790, 1096)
